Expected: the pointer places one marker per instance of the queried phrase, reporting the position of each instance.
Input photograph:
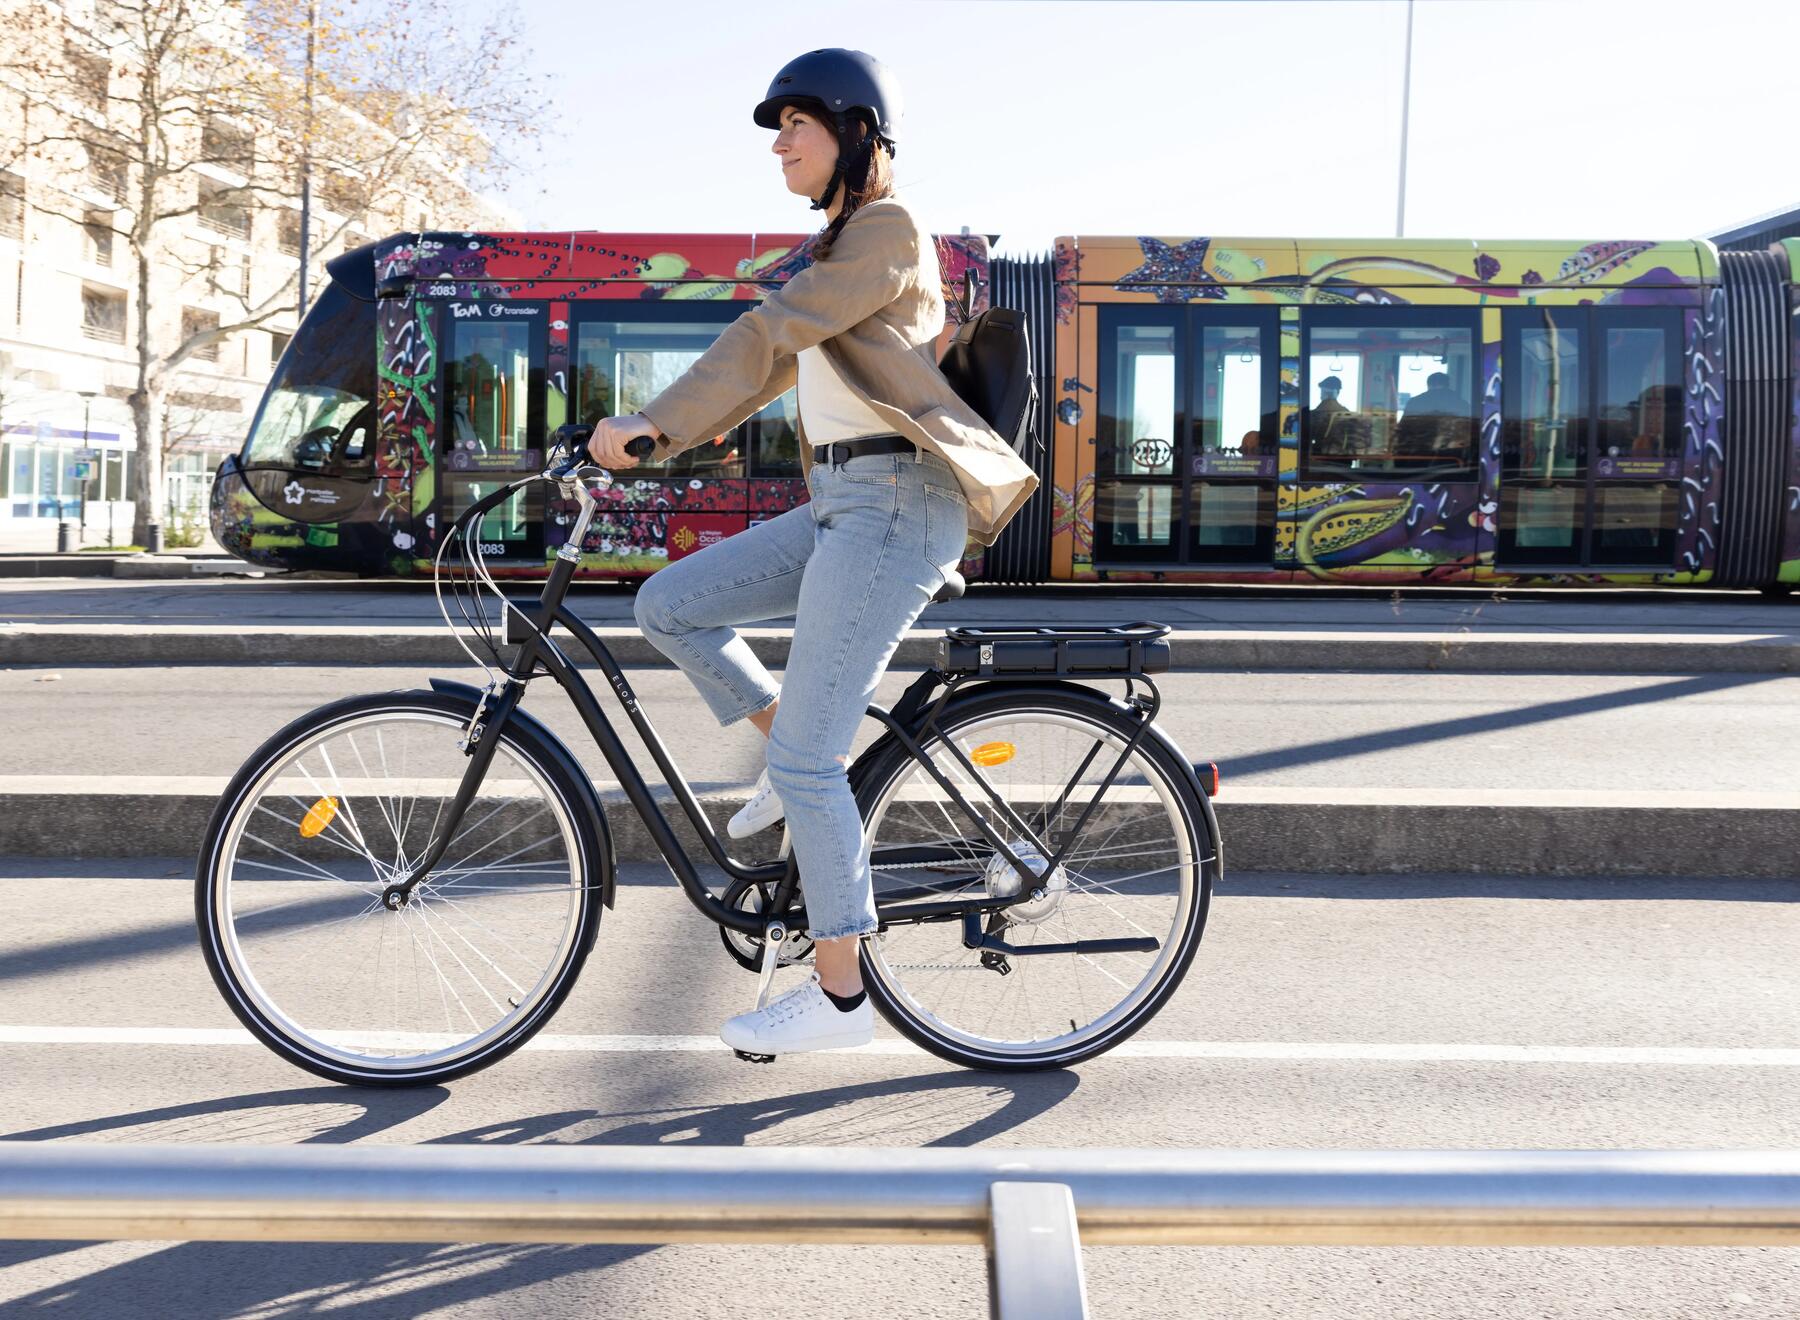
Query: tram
(1391, 412)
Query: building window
(90, 74)
(197, 321)
(288, 234)
(343, 196)
(97, 237)
(278, 342)
(12, 205)
(102, 315)
(222, 212)
(227, 145)
(105, 173)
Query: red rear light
(1209, 777)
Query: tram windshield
(319, 412)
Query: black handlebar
(574, 438)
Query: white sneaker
(761, 811)
(801, 1019)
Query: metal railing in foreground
(1032, 1208)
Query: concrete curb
(1223, 649)
(1374, 832)
(181, 566)
(73, 565)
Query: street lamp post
(312, 24)
(87, 445)
(1405, 111)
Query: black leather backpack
(988, 364)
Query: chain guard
(746, 950)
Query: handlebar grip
(576, 437)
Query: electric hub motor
(1003, 881)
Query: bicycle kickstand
(774, 937)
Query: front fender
(554, 746)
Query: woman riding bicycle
(901, 474)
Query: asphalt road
(1722, 732)
(1295, 963)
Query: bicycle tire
(529, 747)
(984, 704)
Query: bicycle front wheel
(338, 806)
(1050, 984)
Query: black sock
(846, 1003)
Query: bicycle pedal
(748, 1057)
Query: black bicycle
(401, 888)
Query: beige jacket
(875, 306)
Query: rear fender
(909, 705)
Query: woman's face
(808, 151)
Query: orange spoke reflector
(317, 817)
(994, 753)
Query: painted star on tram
(1178, 273)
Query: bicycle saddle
(950, 590)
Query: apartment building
(68, 316)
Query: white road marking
(1300, 1052)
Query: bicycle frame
(530, 629)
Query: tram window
(1230, 422)
(1391, 393)
(1132, 516)
(1544, 434)
(318, 414)
(1639, 413)
(1634, 524)
(509, 523)
(622, 365)
(1542, 523)
(773, 438)
(1226, 517)
(489, 389)
(1137, 421)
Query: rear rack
(1123, 649)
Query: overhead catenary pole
(1405, 110)
(312, 24)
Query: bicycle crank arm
(975, 938)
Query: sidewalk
(101, 621)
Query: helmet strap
(851, 154)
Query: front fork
(480, 740)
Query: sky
(1551, 119)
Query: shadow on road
(376, 1281)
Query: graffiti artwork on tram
(1384, 530)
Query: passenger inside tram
(1435, 422)
(1327, 418)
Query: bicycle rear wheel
(338, 806)
(1141, 870)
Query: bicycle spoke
(1129, 873)
(475, 949)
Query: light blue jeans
(855, 567)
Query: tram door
(493, 421)
(1187, 437)
(1591, 462)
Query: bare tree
(196, 114)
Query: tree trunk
(147, 417)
